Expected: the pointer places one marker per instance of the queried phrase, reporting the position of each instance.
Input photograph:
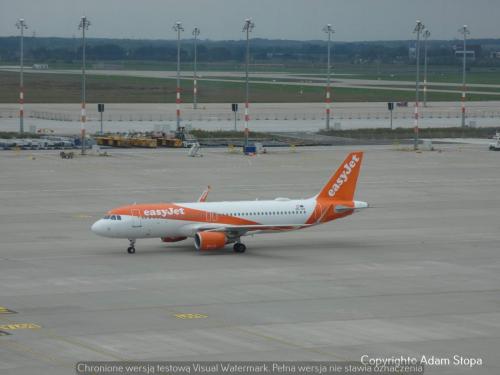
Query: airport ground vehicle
(495, 146)
(215, 224)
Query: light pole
(178, 28)
(84, 25)
(426, 36)
(196, 32)
(21, 25)
(328, 29)
(247, 28)
(419, 27)
(464, 30)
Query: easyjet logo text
(344, 176)
(165, 212)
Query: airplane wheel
(131, 250)
(239, 247)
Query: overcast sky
(353, 20)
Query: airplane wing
(241, 230)
(204, 195)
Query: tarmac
(416, 274)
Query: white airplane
(215, 224)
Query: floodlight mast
(419, 27)
(21, 25)
(196, 33)
(329, 30)
(426, 36)
(178, 28)
(84, 25)
(464, 30)
(247, 28)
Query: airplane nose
(98, 227)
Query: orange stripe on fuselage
(177, 212)
(324, 211)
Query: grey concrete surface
(418, 273)
(263, 116)
(298, 125)
(273, 111)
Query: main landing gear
(239, 247)
(131, 248)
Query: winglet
(204, 195)
(342, 184)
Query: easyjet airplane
(216, 224)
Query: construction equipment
(185, 137)
(155, 139)
(122, 141)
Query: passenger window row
(266, 213)
(235, 214)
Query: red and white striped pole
(329, 30)
(465, 31)
(178, 106)
(328, 105)
(21, 109)
(195, 93)
(415, 122)
(178, 28)
(84, 25)
(196, 32)
(247, 119)
(463, 105)
(21, 24)
(247, 27)
(418, 29)
(83, 120)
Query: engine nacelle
(172, 239)
(210, 240)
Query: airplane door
(212, 217)
(136, 218)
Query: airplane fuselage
(161, 220)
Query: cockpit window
(112, 217)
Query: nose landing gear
(131, 248)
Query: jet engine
(210, 240)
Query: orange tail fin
(342, 184)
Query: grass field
(61, 88)
(439, 85)
(358, 134)
(404, 133)
(481, 77)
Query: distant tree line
(47, 50)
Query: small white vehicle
(495, 146)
